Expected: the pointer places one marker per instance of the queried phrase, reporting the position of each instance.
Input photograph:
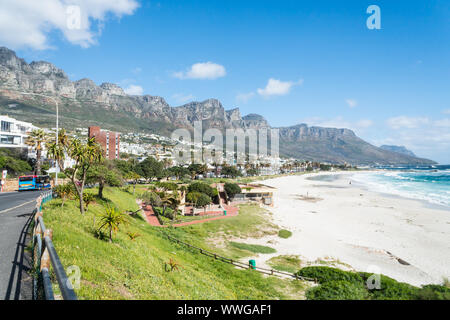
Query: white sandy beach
(367, 230)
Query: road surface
(16, 209)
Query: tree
(84, 155)
(203, 188)
(168, 200)
(196, 169)
(252, 172)
(111, 219)
(179, 172)
(198, 199)
(152, 198)
(203, 201)
(231, 171)
(13, 162)
(134, 177)
(104, 173)
(232, 189)
(36, 139)
(150, 168)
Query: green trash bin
(224, 212)
(252, 264)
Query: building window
(6, 126)
(9, 140)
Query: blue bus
(34, 183)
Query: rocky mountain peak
(85, 83)
(9, 59)
(47, 69)
(112, 88)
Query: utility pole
(57, 125)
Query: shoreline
(406, 239)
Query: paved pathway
(15, 215)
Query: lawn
(135, 269)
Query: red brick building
(110, 141)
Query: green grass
(284, 234)
(285, 263)
(135, 269)
(336, 284)
(255, 248)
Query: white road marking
(20, 205)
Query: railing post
(45, 269)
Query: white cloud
(25, 23)
(276, 87)
(134, 90)
(447, 111)
(364, 123)
(406, 122)
(202, 70)
(183, 98)
(426, 137)
(351, 103)
(244, 97)
(445, 123)
(339, 122)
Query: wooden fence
(240, 264)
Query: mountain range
(83, 103)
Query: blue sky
(290, 61)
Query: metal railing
(45, 257)
(240, 264)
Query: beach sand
(330, 219)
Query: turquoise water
(430, 184)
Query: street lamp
(57, 125)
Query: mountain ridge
(83, 103)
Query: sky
(314, 62)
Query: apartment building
(13, 133)
(110, 141)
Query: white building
(13, 133)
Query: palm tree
(36, 140)
(112, 219)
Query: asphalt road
(16, 210)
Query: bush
(284, 234)
(337, 290)
(391, 289)
(433, 292)
(326, 274)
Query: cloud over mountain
(25, 23)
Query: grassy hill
(135, 269)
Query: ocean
(431, 184)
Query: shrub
(284, 234)
(63, 191)
(391, 289)
(337, 290)
(88, 198)
(326, 274)
(433, 292)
